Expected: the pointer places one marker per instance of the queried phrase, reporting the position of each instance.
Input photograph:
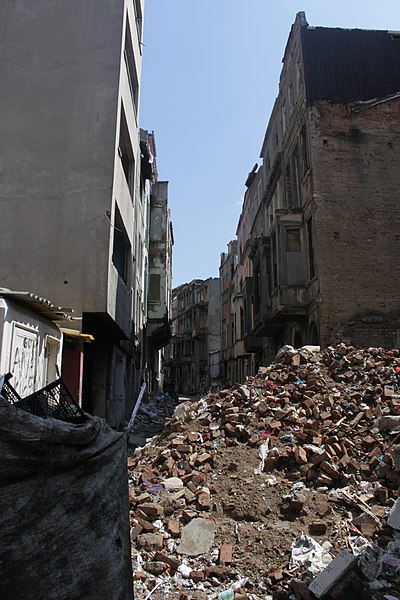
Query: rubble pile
(153, 411)
(284, 487)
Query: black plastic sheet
(64, 509)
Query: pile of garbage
(284, 487)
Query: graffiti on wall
(23, 360)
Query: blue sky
(210, 76)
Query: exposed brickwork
(356, 163)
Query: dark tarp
(64, 509)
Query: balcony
(184, 359)
(239, 349)
(290, 301)
(265, 325)
(199, 333)
(252, 343)
(228, 353)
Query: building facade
(193, 356)
(318, 234)
(72, 206)
(229, 333)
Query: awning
(40, 306)
(73, 333)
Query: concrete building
(72, 212)
(318, 238)
(156, 264)
(192, 358)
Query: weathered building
(229, 333)
(192, 358)
(320, 224)
(160, 281)
(73, 219)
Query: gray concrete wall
(59, 77)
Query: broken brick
(225, 554)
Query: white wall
(30, 348)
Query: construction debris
(289, 483)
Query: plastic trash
(358, 544)
(229, 594)
(173, 484)
(295, 489)
(307, 553)
(271, 480)
(287, 437)
(184, 570)
(226, 595)
(262, 453)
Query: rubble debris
(307, 448)
(394, 517)
(332, 574)
(150, 417)
(197, 537)
(310, 555)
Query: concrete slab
(197, 537)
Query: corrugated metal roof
(345, 65)
(40, 306)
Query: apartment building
(73, 212)
(229, 332)
(192, 358)
(318, 237)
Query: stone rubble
(236, 487)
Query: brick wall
(355, 159)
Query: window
(257, 288)
(126, 153)
(259, 193)
(283, 118)
(267, 163)
(294, 257)
(288, 187)
(293, 240)
(121, 248)
(274, 262)
(154, 287)
(139, 19)
(131, 67)
(139, 252)
(290, 97)
(298, 78)
(292, 181)
(241, 333)
(295, 178)
(276, 140)
(304, 151)
(311, 261)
